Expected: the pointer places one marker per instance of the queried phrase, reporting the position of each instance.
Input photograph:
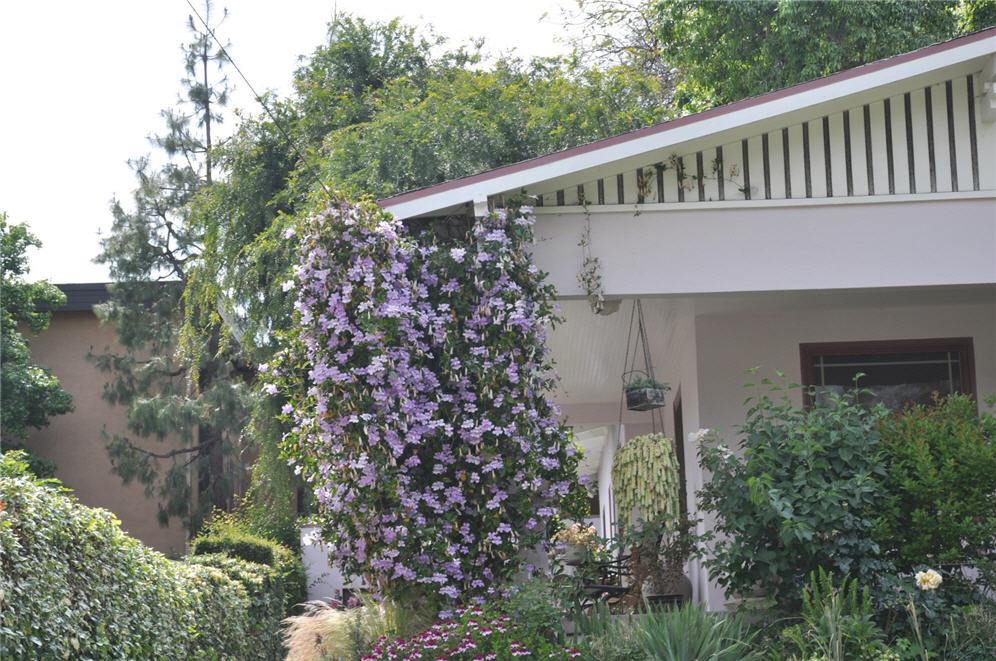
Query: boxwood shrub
(73, 585)
(228, 536)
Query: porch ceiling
(590, 350)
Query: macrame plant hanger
(632, 373)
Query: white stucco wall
(801, 245)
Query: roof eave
(736, 115)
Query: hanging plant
(642, 390)
(645, 393)
(645, 482)
(590, 274)
(645, 479)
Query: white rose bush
(416, 378)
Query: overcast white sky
(84, 82)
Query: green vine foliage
(645, 479)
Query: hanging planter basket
(643, 392)
(644, 398)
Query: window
(898, 372)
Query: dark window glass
(897, 373)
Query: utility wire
(259, 99)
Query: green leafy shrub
(74, 585)
(228, 536)
(940, 507)
(800, 495)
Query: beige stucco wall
(74, 441)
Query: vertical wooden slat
(847, 153)
(878, 157)
(701, 176)
(869, 158)
(889, 158)
(640, 188)
(679, 176)
(630, 189)
(859, 155)
(962, 133)
(910, 153)
(776, 151)
(766, 160)
(601, 191)
(952, 151)
(581, 197)
(732, 156)
(620, 190)
(942, 151)
(659, 168)
(560, 197)
(899, 155)
(826, 155)
(786, 164)
(805, 159)
(720, 173)
(973, 139)
(929, 115)
(755, 151)
(746, 167)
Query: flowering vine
(416, 374)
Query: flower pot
(644, 399)
(574, 554)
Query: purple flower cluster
(417, 377)
(474, 635)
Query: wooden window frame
(962, 345)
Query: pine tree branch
(167, 455)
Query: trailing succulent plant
(645, 478)
(646, 483)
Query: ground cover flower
(474, 634)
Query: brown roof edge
(83, 296)
(690, 119)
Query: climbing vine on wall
(417, 375)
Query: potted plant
(645, 393)
(574, 543)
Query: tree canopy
(723, 52)
(197, 399)
(31, 394)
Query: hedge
(74, 585)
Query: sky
(84, 84)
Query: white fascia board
(764, 111)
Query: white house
(841, 224)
